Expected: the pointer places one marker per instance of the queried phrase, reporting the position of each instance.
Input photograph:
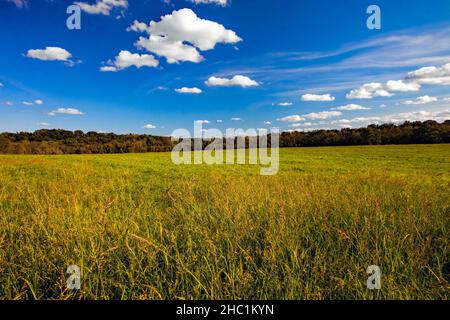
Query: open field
(142, 228)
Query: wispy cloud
(353, 64)
(67, 111)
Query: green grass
(142, 228)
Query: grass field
(142, 228)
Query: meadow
(140, 227)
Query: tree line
(59, 141)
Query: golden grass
(142, 228)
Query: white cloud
(431, 75)
(236, 119)
(222, 3)
(322, 115)
(149, 126)
(413, 82)
(421, 100)
(29, 103)
(351, 107)
(316, 97)
(268, 122)
(439, 116)
(361, 120)
(8, 103)
(447, 99)
(1, 85)
(194, 90)
(174, 52)
(284, 104)
(369, 91)
(203, 121)
(341, 121)
(108, 69)
(44, 124)
(102, 6)
(293, 118)
(126, 59)
(219, 121)
(69, 111)
(138, 27)
(50, 54)
(177, 36)
(402, 86)
(239, 81)
(305, 124)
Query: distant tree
(59, 141)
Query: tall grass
(142, 228)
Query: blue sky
(296, 65)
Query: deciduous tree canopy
(78, 142)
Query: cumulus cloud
(375, 89)
(268, 122)
(431, 75)
(126, 59)
(108, 69)
(69, 111)
(149, 126)
(358, 120)
(413, 82)
(304, 124)
(39, 102)
(293, 118)
(222, 3)
(402, 86)
(237, 81)
(369, 91)
(50, 54)
(102, 6)
(351, 107)
(439, 116)
(322, 115)
(317, 97)
(187, 90)
(421, 100)
(179, 36)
